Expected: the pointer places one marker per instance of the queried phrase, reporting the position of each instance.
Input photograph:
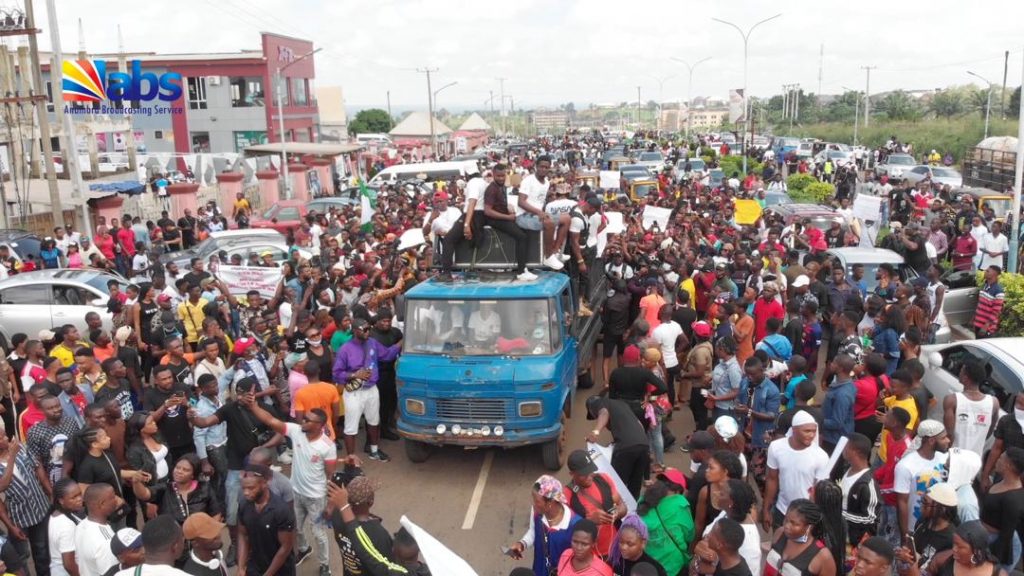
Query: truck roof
(503, 286)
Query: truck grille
(470, 409)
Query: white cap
(801, 280)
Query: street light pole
(280, 118)
(1018, 176)
(856, 111)
(433, 144)
(689, 88)
(661, 95)
(746, 115)
(988, 102)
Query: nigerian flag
(368, 202)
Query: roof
(310, 148)
(858, 255)
(475, 122)
(979, 192)
(418, 124)
(38, 276)
(502, 287)
(1002, 143)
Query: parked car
(981, 198)
(839, 157)
(34, 301)
(240, 242)
(697, 168)
(895, 165)
(654, 161)
(21, 243)
(774, 198)
(783, 145)
(1003, 359)
(939, 175)
(820, 216)
(282, 216)
(958, 304)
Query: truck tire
(553, 451)
(584, 381)
(417, 452)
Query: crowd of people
(180, 417)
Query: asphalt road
(474, 501)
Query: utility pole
(785, 101)
(504, 129)
(796, 107)
(56, 208)
(1002, 95)
(867, 95)
(430, 109)
(389, 107)
(821, 68)
(1018, 175)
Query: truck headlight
(415, 407)
(530, 409)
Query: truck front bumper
(473, 436)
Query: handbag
(353, 383)
(682, 549)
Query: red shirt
(763, 310)
(105, 244)
(965, 244)
(885, 475)
(866, 402)
(589, 498)
(126, 238)
(31, 417)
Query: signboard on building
(736, 106)
(246, 138)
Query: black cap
(359, 323)
(594, 405)
(580, 463)
(167, 318)
(594, 202)
(700, 440)
(259, 470)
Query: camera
(347, 474)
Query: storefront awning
(302, 149)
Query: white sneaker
(554, 262)
(526, 276)
(565, 257)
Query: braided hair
(60, 490)
(742, 498)
(829, 498)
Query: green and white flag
(368, 204)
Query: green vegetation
(371, 121)
(1011, 321)
(804, 188)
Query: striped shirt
(990, 306)
(27, 503)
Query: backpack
(576, 505)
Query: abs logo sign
(88, 81)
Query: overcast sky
(584, 51)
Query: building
(550, 120)
(227, 100)
(333, 119)
(706, 119)
(414, 131)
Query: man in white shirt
(442, 218)
(93, 535)
(923, 465)
(559, 210)
(470, 223)
(530, 214)
(795, 463)
(485, 324)
(993, 247)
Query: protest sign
(602, 457)
(656, 215)
(241, 279)
(867, 207)
(438, 557)
(747, 211)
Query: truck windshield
(481, 327)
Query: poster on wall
(247, 138)
(101, 142)
(120, 142)
(140, 140)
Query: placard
(438, 557)
(747, 211)
(867, 207)
(602, 457)
(241, 279)
(609, 179)
(656, 215)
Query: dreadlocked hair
(829, 498)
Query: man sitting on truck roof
(498, 216)
(530, 214)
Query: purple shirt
(352, 358)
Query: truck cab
(489, 361)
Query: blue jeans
(232, 488)
(657, 443)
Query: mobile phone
(506, 550)
(704, 392)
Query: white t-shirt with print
(534, 192)
(914, 475)
(309, 471)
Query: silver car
(895, 165)
(34, 301)
(939, 175)
(250, 240)
(1003, 359)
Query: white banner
(602, 457)
(867, 207)
(656, 215)
(609, 179)
(438, 557)
(241, 279)
(614, 226)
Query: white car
(939, 175)
(1003, 359)
(654, 161)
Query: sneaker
(325, 570)
(526, 276)
(379, 456)
(285, 457)
(302, 554)
(231, 558)
(554, 262)
(564, 257)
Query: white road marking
(478, 492)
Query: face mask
(802, 539)
(1018, 414)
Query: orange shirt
(744, 333)
(650, 305)
(102, 353)
(320, 395)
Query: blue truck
(494, 362)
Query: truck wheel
(584, 381)
(417, 452)
(553, 451)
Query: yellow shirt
(192, 317)
(66, 355)
(910, 406)
(691, 289)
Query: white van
(373, 138)
(429, 170)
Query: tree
(1014, 105)
(371, 121)
(898, 105)
(947, 103)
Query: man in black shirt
(683, 314)
(187, 225)
(615, 318)
(116, 387)
(385, 333)
(244, 433)
(204, 532)
(173, 423)
(700, 445)
(498, 216)
(364, 543)
(629, 382)
(266, 530)
(196, 274)
(632, 458)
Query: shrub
(815, 193)
(708, 151)
(796, 183)
(1011, 321)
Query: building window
(246, 91)
(300, 96)
(200, 142)
(197, 93)
(281, 88)
(49, 97)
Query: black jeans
(509, 227)
(457, 234)
(386, 384)
(632, 465)
(699, 409)
(671, 374)
(218, 458)
(39, 543)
